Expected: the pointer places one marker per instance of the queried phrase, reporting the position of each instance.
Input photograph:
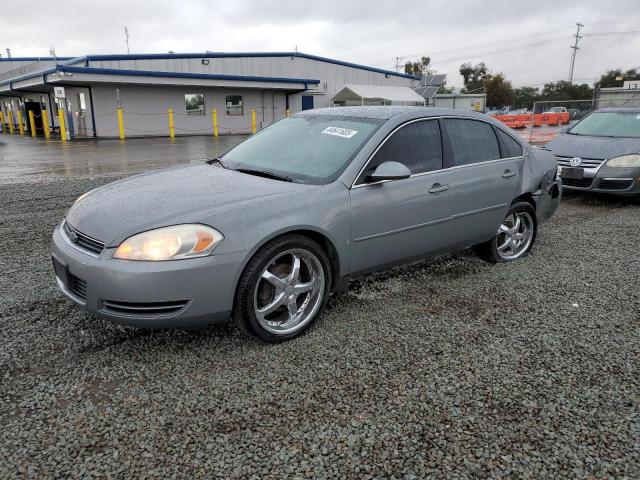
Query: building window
(194, 103)
(234, 105)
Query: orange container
(537, 120)
(565, 117)
(524, 119)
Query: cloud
(528, 42)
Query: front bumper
(613, 181)
(169, 294)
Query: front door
(307, 102)
(394, 221)
(36, 108)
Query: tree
(525, 97)
(420, 68)
(499, 91)
(616, 78)
(563, 90)
(474, 76)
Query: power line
(575, 50)
(553, 30)
(603, 34)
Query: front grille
(77, 286)
(577, 182)
(616, 184)
(81, 240)
(585, 162)
(144, 309)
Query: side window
(471, 141)
(417, 145)
(234, 105)
(508, 146)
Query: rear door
(393, 221)
(488, 168)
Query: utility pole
(398, 61)
(575, 50)
(8, 52)
(126, 37)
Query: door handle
(437, 188)
(508, 174)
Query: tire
(503, 247)
(273, 302)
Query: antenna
(398, 61)
(126, 37)
(575, 50)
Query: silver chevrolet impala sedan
(264, 233)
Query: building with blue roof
(91, 88)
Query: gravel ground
(453, 368)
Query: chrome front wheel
(289, 292)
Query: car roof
(620, 109)
(389, 112)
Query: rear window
(508, 146)
(471, 141)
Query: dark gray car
(266, 232)
(601, 153)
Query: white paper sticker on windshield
(340, 132)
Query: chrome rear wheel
(515, 235)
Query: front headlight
(82, 196)
(170, 243)
(626, 161)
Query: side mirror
(389, 171)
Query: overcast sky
(527, 41)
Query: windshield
(609, 124)
(304, 148)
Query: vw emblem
(575, 161)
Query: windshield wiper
(265, 174)
(216, 161)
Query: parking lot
(447, 368)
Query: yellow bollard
(214, 119)
(120, 123)
(45, 124)
(20, 124)
(1, 122)
(172, 129)
(253, 121)
(288, 112)
(32, 123)
(63, 128)
(10, 122)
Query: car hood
(193, 194)
(566, 145)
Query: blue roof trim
(33, 59)
(169, 56)
(67, 61)
(27, 76)
(161, 74)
